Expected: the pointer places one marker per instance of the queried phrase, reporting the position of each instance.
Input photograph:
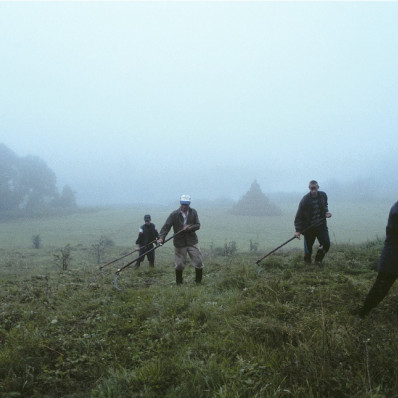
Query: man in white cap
(184, 219)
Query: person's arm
(298, 220)
(327, 213)
(392, 222)
(138, 242)
(195, 225)
(166, 228)
(155, 232)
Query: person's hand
(186, 228)
(297, 235)
(159, 241)
(328, 215)
(137, 247)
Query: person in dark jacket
(387, 266)
(147, 236)
(184, 219)
(313, 210)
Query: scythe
(117, 273)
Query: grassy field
(351, 223)
(280, 329)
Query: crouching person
(184, 219)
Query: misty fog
(132, 102)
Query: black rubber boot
(179, 277)
(319, 256)
(198, 272)
(151, 264)
(307, 258)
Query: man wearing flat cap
(147, 235)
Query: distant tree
(37, 183)
(36, 241)
(28, 183)
(8, 178)
(356, 190)
(67, 199)
(255, 203)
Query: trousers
(377, 292)
(322, 234)
(180, 256)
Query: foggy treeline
(27, 183)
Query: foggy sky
(133, 102)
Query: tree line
(27, 183)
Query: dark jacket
(147, 234)
(304, 211)
(175, 220)
(389, 256)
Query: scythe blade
(115, 278)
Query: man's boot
(198, 272)
(307, 258)
(179, 277)
(319, 255)
(151, 264)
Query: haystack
(255, 203)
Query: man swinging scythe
(184, 219)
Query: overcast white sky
(134, 101)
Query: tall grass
(276, 330)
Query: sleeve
(298, 221)
(196, 223)
(140, 237)
(166, 227)
(392, 223)
(326, 204)
(155, 232)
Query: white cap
(185, 199)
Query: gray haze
(139, 102)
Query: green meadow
(351, 223)
(280, 329)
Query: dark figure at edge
(387, 267)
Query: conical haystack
(255, 203)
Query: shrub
(63, 258)
(36, 241)
(100, 246)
